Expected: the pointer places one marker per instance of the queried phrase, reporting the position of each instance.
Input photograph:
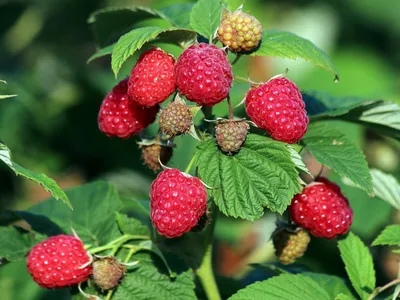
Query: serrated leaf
(177, 14)
(146, 282)
(359, 264)
(131, 226)
(15, 243)
(289, 45)
(205, 17)
(298, 161)
(286, 286)
(380, 116)
(389, 236)
(47, 183)
(261, 175)
(110, 23)
(386, 187)
(333, 285)
(134, 40)
(93, 218)
(333, 149)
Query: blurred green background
(51, 127)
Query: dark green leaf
(380, 116)
(134, 40)
(110, 23)
(205, 17)
(15, 243)
(389, 236)
(261, 175)
(359, 264)
(333, 149)
(47, 183)
(286, 286)
(289, 45)
(93, 218)
(146, 282)
(177, 14)
(131, 226)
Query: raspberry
(120, 116)
(290, 246)
(107, 272)
(277, 107)
(152, 78)
(231, 134)
(239, 31)
(203, 74)
(322, 209)
(175, 119)
(151, 153)
(57, 262)
(178, 201)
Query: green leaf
(343, 297)
(333, 285)
(288, 45)
(15, 243)
(333, 149)
(47, 183)
(205, 17)
(359, 264)
(146, 282)
(298, 161)
(261, 175)
(389, 236)
(386, 187)
(177, 14)
(286, 286)
(131, 226)
(134, 40)
(380, 116)
(102, 52)
(109, 24)
(93, 218)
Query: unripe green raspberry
(107, 272)
(239, 31)
(175, 119)
(231, 134)
(152, 152)
(290, 246)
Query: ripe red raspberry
(239, 31)
(178, 201)
(290, 246)
(203, 74)
(277, 107)
(57, 262)
(120, 116)
(322, 209)
(152, 78)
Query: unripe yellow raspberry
(239, 31)
(290, 246)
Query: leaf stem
(109, 295)
(187, 170)
(117, 243)
(207, 111)
(230, 107)
(205, 271)
(383, 288)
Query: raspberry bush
(252, 140)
